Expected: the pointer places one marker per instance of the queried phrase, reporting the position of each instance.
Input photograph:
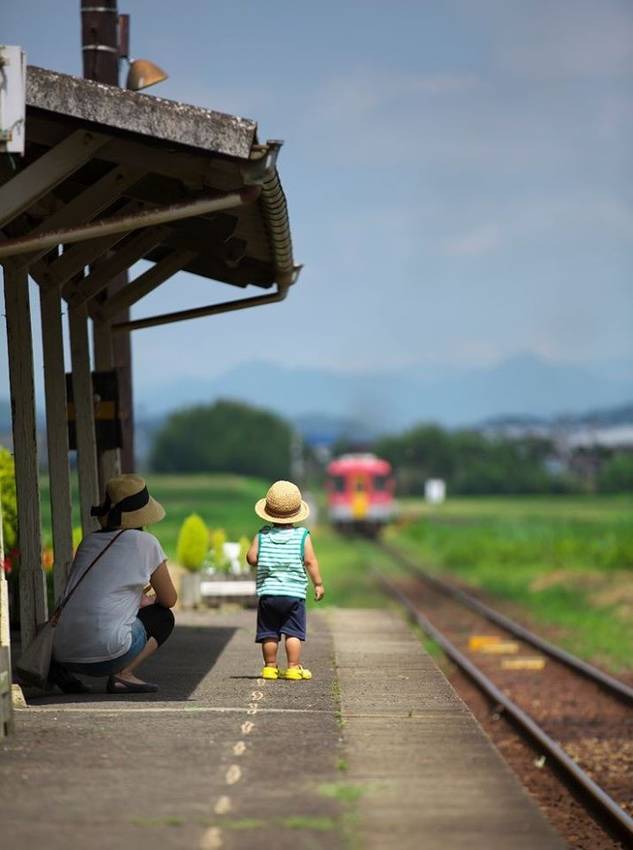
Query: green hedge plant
(193, 543)
(9, 503)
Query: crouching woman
(109, 626)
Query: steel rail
(605, 806)
(614, 686)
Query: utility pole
(100, 29)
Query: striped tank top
(280, 570)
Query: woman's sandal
(116, 685)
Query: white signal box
(435, 491)
(12, 99)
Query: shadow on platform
(178, 667)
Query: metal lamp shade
(142, 74)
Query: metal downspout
(200, 312)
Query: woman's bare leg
(127, 673)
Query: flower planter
(190, 596)
(218, 588)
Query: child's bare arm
(312, 569)
(253, 550)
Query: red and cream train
(360, 493)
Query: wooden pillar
(57, 435)
(84, 416)
(123, 363)
(6, 697)
(32, 582)
(100, 54)
(109, 459)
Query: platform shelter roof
(182, 186)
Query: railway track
(602, 807)
(609, 683)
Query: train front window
(380, 482)
(338, 483)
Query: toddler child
(283, 555)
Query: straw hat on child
(128, 504)
(283, 504)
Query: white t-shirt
(96, 624)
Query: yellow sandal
(295, 673)
(270, 673)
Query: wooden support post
(57, 435)
(109, 459)
(84, 416)
(33, 608)
(6, 697)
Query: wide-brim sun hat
(283, 504)
(128, 504)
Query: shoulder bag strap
(57, 613)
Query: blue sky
(458, 172)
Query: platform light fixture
(142, 73)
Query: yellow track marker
(507, 647)
(476, 642)
(240, 748)
(522, 663)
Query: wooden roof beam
(83, 207)
(144, 284)
(75, 258)
(39, 178)
(78, 292)
(127, 222)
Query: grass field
(566, 561)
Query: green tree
(470, 462)
(616, 476)
(226, 436)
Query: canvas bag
(35, 662)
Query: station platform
(376, 751)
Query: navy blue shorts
(280, 615)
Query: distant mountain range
(524, 385)
(326, 403)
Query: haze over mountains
(389, 400)
(330, 402)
